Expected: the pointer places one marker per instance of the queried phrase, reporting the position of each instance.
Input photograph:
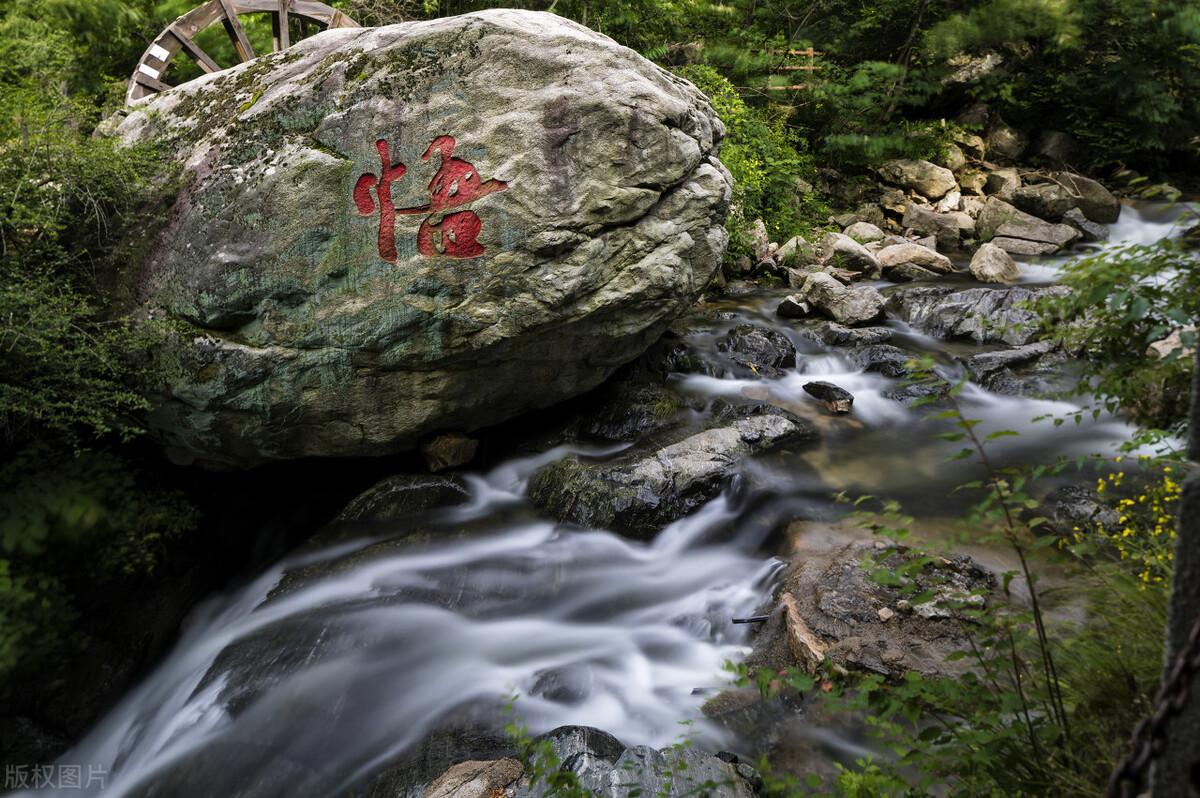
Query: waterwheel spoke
(279, 22)
(154, 84)
(237, 34)
(197, 54)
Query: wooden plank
(202, 59)
(797, 87)
(143, 79)
(279, 26)
(237, 34)
(808, 68)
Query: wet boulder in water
(844, 305)
(890, 361)
(1095, 201)
(756, 350)
(1021, 233)
(831, 333)
(404, 495)
(388, 232)
(835, 398)
(1091, 231)
(991, 264)
(988, 315)
(640, 492)
(1036, 369)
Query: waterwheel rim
(180, 37)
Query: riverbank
(407, 614)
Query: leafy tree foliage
(73, 209)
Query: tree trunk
(1175, 772)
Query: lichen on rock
(389, 232)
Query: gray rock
(890, 361)
(792, 307)
(1002, 183)
(842, 251)
(972, 182)
(1096, 202)
(639, 492)
(757, 351)
(1035, 369)
(991, 264)
(1047, 201)
(894, 200)
(1001, 220)
(927, 179)
(795, 249)
(971, 144)
(1019, 246)
(915, 254)
(953, 158)
(1089, 230)
(476, 779)
(848, 306)
(946, 228)
(678, 772)
(864, 232)
(1080, 508)
(834, 398)
(1004, 143)
(831, 333)
(987, 315)
(597, 220)
(909, 273)
(404, 495)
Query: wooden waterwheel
(180, 36)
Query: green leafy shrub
(1122, 301)
(765, 158)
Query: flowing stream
(345, 656)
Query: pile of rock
(604, 766)
(919, 213)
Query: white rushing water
(586, 627)
(335, 662)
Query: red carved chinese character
(383, 190)
(458, 232)
(456, 183)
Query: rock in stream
(389, 232)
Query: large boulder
(1097, 203)
(388, 232)
(991, 264)
(1020, 233)
(988, 315)
(843, 252)
(844, 305)
(640, 492)
(1067, 191)
(927, 179)
(947, 228)
(900, 254)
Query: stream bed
(394, 645)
